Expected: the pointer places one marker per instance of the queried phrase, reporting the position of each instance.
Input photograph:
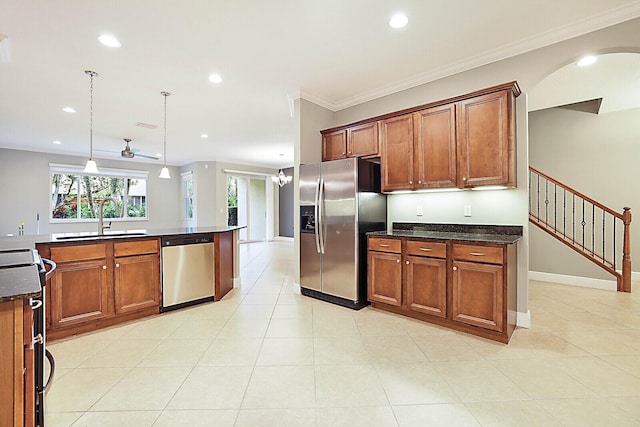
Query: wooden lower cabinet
(477, 294)
(385, 278)
(136, 283)
(471, 287)
(426, 283)
(80, 293)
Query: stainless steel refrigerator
(340, 201)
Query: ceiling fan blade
(147, 157)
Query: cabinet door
(435, 147)
(334, 145)
(426, 285)
(385, 278)
(478, 294)
(137, 283)
(397, 153)
(363, 140)
(29, 365)
(80, 292)
(486, 144)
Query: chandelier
(281, 179)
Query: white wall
(25, 192)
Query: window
(76, 196)
(188, 196)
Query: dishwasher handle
(185, 240)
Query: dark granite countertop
(19, 283)
(460, 232)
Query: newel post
(625, 286)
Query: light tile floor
(265, 356)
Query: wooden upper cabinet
(334, 145)
(362, 141)
(435, 147)
(486, 141)
(396, 137)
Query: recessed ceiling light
(204, 136)
(68, 110)
(215, 78)
(57, 142)
(587, 60)
(109, 40)
(399, 20)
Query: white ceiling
(336, 53)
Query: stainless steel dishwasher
(187, 270)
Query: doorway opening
(247, 205)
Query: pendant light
(281, 179)
(164, 173)
(91, 166)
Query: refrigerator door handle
(321, 218)
(316, 209)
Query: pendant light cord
(91, 75)
(164, 155)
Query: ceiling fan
(130, 153)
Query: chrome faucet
(101, 226)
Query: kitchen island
(107, 279)
(456, 275)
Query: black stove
(25, 269)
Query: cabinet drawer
(78, 252)
(426, 248)
(135, 247)
(478, 253)
(385, 245)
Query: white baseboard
(585, 282)
(236, 282)
(282, 239)
(296, 288)
(523, 320)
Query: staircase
(586, 226)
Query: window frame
(78, 171)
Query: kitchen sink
(96, 236)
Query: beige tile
(198, 329)
(516, 413)
(526, 344)
(159, 327)
(390, 349)
(232, 352)
(376, 416)
(253, 311)
(445, 415)
(293, 299)
(340, 351)
(244, 328)
(285, 386)
(120, 419)
(292, 311)
(601, 377)
(541, 379)
(598, 342)
(176, 352)
(73, 351)
(197, 418)
(81, 388)
(588, 413)
(630, 405)
(286, 351)
(348, 385)
(212, 388)
(265, 286)
(478, 381)
(290, 328)
(61, 419)
(444, 347)
(276, 418)
(143, 389)
(388, 326)
(414, 383)
(260, 299)
(121, 354)
(630, 364)
(340, 326)
(416, 328)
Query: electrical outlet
(467, 210)
(419, 211)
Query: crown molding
(596, 22)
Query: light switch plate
(467, 210)
(419, 211)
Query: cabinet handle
(35, 303)
(398, 261)
(426, 249)
(419, 181)
(384, 245)
(464, 178)
(476, 253)
(410, 182)
(407, 262)
(118, 265)
(38, 339)
(104, 267)
(455, 268)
